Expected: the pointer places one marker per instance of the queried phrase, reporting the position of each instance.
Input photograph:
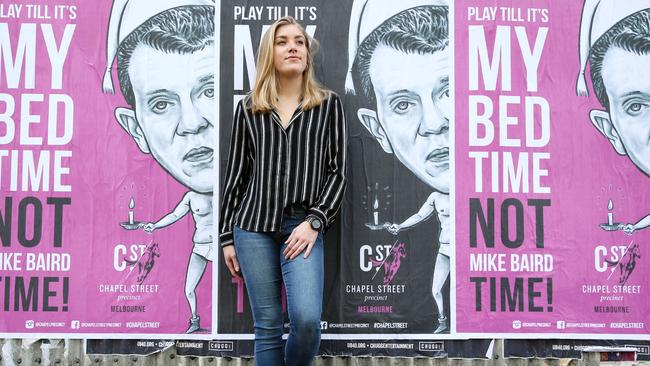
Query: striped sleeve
(330, 197)
(238, 173)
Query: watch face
(315, 223)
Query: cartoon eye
(635, 108)
(160, 106)
(209, 93)
(402, 106)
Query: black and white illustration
(376, 283)
(165, 67)
(399, 60)
(615, 41)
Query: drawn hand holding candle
(628, 228)
(149, 227)
(641, 224)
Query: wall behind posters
(551, 205)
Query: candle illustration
(611, 225)
(610, 214)
(375, 213)
(131, 206)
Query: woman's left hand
(302, 238)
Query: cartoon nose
(434, 120)
(192, 120)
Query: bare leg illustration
(440, 274)
(195, 270)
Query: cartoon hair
(265, 91)
(420, 30)
(598, 17)
(181, 30)
(366, 16)
(632, 34)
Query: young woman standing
(284, 184)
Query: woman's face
(290, 51)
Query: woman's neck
(290, 88)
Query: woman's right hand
(231, 260)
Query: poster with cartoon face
(388, 253)
(107, 168)
(550, 142)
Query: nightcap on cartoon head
(126, 16)
(598, 16)
(366, 16)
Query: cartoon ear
(126, 118)
(603, 122)
(369, 120)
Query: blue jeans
(265, 268)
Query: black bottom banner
(476, 348)
(140, 347)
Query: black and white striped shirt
(270, 167)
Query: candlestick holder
(378, 226)
(613, 227)
(131, 226)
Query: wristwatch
(315, 222)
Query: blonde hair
(265, 92)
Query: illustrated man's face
(413, 109)
(627, 125)
(174, 114)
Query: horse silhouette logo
(145, 262)
(392, 262)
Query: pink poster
(106, 168)
(552, 192)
